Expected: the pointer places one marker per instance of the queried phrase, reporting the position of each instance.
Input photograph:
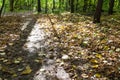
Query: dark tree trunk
(46, 6)
(118, 3)
(11, 5)
(39, 5)
(72, 6)
(77, 2)
(85, 5)
(111, 5)
(66, 5)
(3, 3)
(97, 14)
(53, 5)
(60, 4)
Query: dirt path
(83, 51)
(28, 58)
(37, 43)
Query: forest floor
(30, 48)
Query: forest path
(33, 52)
(38, 41)
(31, 59)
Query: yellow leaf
(93, 61)
(7, 70)
(28, 70)
(98, 56)
(106, 48)
(103, 41)
(14, 75)
(97, 75)
(95, 66)
(16, 62)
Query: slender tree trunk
(97, 14)
(118, 3)
(72, 6)
(11, 5)
(3, 3)
(59, 4)
(85, 5)
(111, 5)
(53, 5)
(39, 5)
(94, 5)
(46, 6)
(77, 2)
(66, 5)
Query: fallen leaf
(97, 75)
(98, 56)
(28, 70)
(2, 54)
(84, 75)
(14, 75)
(93, 61)
(95, 66)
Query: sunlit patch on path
(50, 71)
(26, 23)
(35, 40)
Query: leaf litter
(85, 50)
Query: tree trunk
(53, 5)
(66, 5)
(111, 5)
(39, 5)
(59, 4)
(97, 14)
(46, 6)
(11, 5)
(77, 3)
(3, 3)
(72, 6)
(85, 5)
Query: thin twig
(52, 24)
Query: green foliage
(32, 5)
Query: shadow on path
(16, 51)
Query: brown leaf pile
(94, 49)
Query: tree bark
(97, 14)
(72, 6)
(77, 3)
(85, 5)
(1, 9)
(39, 5)
(111, 5)
(53, 5)
(46, 6)
(60, 4)
(11, 5)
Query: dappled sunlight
(59, 39)
(81, 50)
(35, 40)
(83, 40)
